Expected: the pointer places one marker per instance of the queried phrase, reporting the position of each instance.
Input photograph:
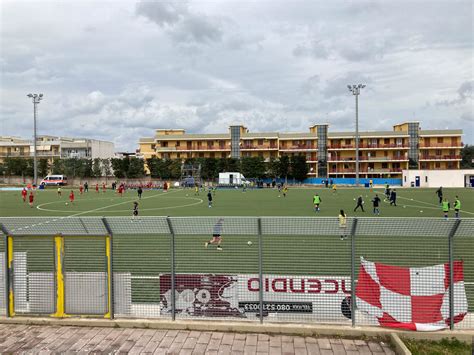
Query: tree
(96, 168)
(106, 168)
(467, 156)
(43, 167)
(284, 166)
(136, 168)
(299, 168)
(252, 167)
(57, 166)
(117, 165)
(272, 168)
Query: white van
(56, 180)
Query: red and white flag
(410, 298)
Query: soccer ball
(67, 203)
(421, 211)
(249, 243)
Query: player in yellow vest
(445, 206)
(457, 207)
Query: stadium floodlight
(355, 89)
(36, 100)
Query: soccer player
(216, 235)
(120, 190)
(81, 189)
(59, 191)
(97, 188)
(439, 192)
(376, 203)
(139, 192)
(285, 191)
(457, 206)
(24, 193)
(71, 196)
(316, 201)
(209, 199)
(393, 198)
(104, 188)
(445, 206)
(371, 183)
(360, 203)
(135, 210)
(334, 188)
(86, 187)
(387, 191)
(165, 187)
(343, 224)
(31, 198)
(196, 190)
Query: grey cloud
(465, 92)
(183, 25)
(163, 13)
(315, 48)
(201, 29)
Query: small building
(437, 178)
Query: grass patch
(444, 347)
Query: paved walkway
(48, 339)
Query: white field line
(432, 204)
(88, 211)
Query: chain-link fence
(415, 273)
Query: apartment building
(328, 154)
(51, 147)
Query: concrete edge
(399, 345)
(244, 327)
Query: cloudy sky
(117, 70)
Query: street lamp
(36, 100)
(355, 89)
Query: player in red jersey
(31, 198)
(71, 196)
(24, 193)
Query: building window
(164, 144)
(260, 142)
(201, 155)
(437, 165)
(450, 165)
(399, 142)
(223, 155)
(178, 155)
(438, 152)
(212, 155)
(210, 144)
(385, 153)
(347, 142)
(386, 141)
(426, 178)
(153, 146)
(384, 165)
(440, 139)
(199, 144)
(178, 143)
(189, 145)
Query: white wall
(437, 178)
(102, 149)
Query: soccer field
(144, 255)
(233, 202)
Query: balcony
(369, 146)
(365, 171)
(39, 154)
(440, 145)
(258, 147)
(367, 158)
(192, 148)
(299, 147)
(440, 157)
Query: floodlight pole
(355, 89)
(36, 100)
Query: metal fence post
(6, 270)
(452, 232)
(110, 267)
(173, 270)
(260, 269)
(353, 276)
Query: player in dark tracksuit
(376, 203)
(439, 192)
(393, 197)
(209, 199)
(360, 203)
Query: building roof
(368, 134)
(442, 132)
